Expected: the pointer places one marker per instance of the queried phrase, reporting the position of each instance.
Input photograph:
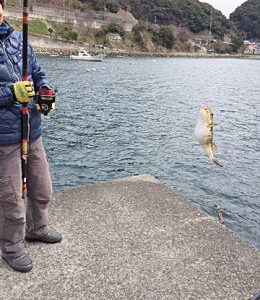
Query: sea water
(131, 116)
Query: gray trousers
(16, 216)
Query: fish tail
(215, 160)
(209, 149)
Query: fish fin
(208, 149)
(214, 146)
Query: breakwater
(134, 238)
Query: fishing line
(257, 164)
(218, 201)
(206, 88)
(218, 204)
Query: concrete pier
(130, 239)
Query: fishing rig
(218, 203)
(25, 111)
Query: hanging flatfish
(204, 133)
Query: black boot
(21, 263)
(50, 238)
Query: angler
(17, 93)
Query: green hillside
(247, 18)
(190, 14)
(164, 25)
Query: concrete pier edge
(134, 238)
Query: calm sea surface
(136, 115)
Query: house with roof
(251, 47)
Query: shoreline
(115, 53)
(48, 46)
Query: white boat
(84, 55)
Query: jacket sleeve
(6, 96)
(38, 75)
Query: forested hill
(247, 18)
(191, 14)
(157, 26)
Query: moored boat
(84, 55)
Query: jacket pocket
(6, 189)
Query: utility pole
(63, 4)
(210, 25)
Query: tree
(113, 7)
(247, 18)
(237, 43)
(116, 28)
(164, 37)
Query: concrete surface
(134, 239)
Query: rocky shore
(49, 46)
(115, 53)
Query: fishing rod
(25, 111)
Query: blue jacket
(10, 72)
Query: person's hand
(23, 91)
(46, 100)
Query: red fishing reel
(46, 100)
